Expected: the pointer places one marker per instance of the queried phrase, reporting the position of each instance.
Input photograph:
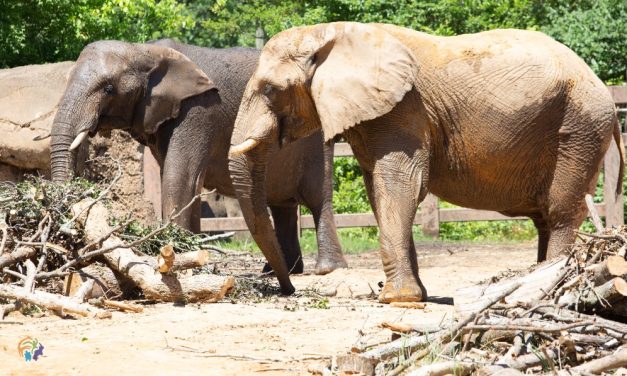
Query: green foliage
(181, 240)
(349, 191)
(37, 31)
(29, 201)
(352, 240)
(596, 31)
(488, 230)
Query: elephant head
(118, 85)
(325, 76)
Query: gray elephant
(504, 120)
(181, 101)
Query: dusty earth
(266, 336)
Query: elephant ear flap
(361, 76)
(171, 79)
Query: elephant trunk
(249, 177)
(75, 117)
(248, 173)
(62, 160)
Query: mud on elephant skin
(181, 101)
(504, 120)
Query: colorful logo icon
(30, 348)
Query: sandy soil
(275, 336)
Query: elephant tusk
(242, 148)
(78, 140)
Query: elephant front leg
(396, 187)
(181, 179)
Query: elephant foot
(329, 264)
(403, 290)
(294, 268)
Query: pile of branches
(565, 316)
(61, 250)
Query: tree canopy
(37, 31)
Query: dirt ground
(274, 336)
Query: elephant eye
(108, 89)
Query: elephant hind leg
(286, 227)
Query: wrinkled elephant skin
(504, 120)
(181, 101)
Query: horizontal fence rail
(429, 215)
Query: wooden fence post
(430, 216)
(260, 38)
(152, 181)
(613, 204)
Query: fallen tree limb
(169, 288)
(56, 303)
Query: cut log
(610, 292)
(20, 254)
(184, 261)
(451, 367)
(56, 303)
(157, 286)
(613, 266)
(533, 287)
(165, 259)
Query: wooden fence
(429, 216)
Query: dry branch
(57, 303)
(530, 322)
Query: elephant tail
(618, 138)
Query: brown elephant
(504, 120)
(181, 101)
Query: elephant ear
(172, 78)
(361, 75)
